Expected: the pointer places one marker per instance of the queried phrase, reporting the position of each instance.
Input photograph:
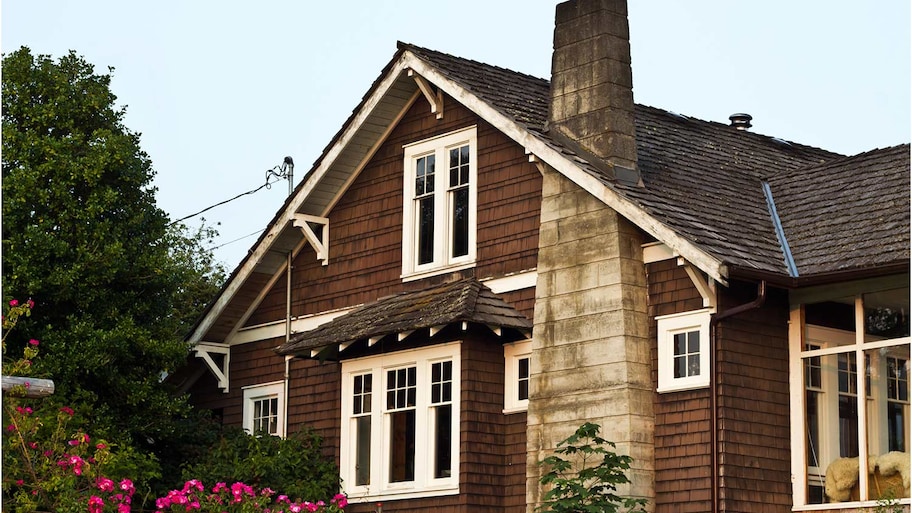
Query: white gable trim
(539, 148)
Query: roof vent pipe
(741, 121)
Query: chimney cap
(741, 121)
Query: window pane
(443, 435)
(461, 222)
(402, 446)
(680, 366)
(887, 313)
(426, 230)
(680, 344)
(362, 450)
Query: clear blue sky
(221, 91)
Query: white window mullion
(861, 393)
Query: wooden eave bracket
(705, 286)
(435, 99)
(321, 247)
(205, 350)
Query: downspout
(287, 377)
(714, 387)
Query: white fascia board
(287, 215)
(708, 264)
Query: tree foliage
(83, 237)
(584, 475)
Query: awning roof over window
(466, 301)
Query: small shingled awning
(464, 302)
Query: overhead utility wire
(285, 170)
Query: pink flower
(73, 443)
(127, 486)
(104, 484)
(30, 303)
(100, 446)
(340, 500)
(123, 508)
(33, 342)
(14, 302)
(20, 482)
(11, 428)
(96, 504)
(69, 411)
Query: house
(481, 260)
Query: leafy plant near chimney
(584, 475)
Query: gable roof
(702, 194)
(462, 301)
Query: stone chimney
(590, 345)
(592, 84)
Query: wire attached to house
(273, 175)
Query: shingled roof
(704, 179)
(850, 213)
(462, 301)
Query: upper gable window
(439, 210)
(264, 409)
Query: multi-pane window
(517, 375)
(439, 207)
(683, 343)
(686, 354)
(264, 409)
(850, 362)
(405, 444)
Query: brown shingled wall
(753, 406)
(366, 224)
(682, 450)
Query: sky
(222, 91)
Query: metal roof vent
(741, 121)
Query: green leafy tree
(83, 237)
(584, 474)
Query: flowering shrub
(239, 498)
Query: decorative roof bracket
(705, 286)
(319, 243)
(205, 350)
(435, 99)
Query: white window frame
(830, 343)
(513, 353)
(260, 392)
(442, 261)
(668, 327)
(424, 484)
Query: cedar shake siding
(753, 405)
(682, 425)
(365, 257)
(755, 474)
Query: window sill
(418, 275)
(845, 507)
(389, 495)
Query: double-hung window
(264, 409)
(439, 210)
(400, 424)
(849, 367)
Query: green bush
(294, 465)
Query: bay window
(849, 366)
(407, 443)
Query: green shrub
(293, 465)
(588, 480)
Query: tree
(83, 237)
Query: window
(438, 231)
(683, 350)
(264, 409)
(405, 444)
(849, 376)
(517, 359)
